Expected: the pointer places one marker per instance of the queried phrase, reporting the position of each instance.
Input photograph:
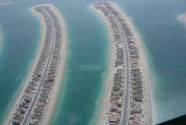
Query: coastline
(31, 69)
(143, 60)
(53, 99)
(50, 107)
(110, 67)
(143, 65)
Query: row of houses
(117, 90)
(137, 95)
(44, 74)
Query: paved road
(125, 112)
(25, 121)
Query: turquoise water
(164, 39)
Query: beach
(142, 64)
(52, 101)
(34, 63)
(110, 68)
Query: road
(25, 121)
(125, 112)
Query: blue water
(164, 40)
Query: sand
(53, 99)
(6, 3)
(182, 17)
(143, 66)
(109, 79)
(30, 71)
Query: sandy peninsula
(52, 101)
(110, 68)
(182, 17)
(142, 65)
(58, 79)
(31, 69)
(6, 3)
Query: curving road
(126, 104)
(25, 121)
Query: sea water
(163, 37)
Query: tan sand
(56, 88)
(109, 79)
(144, 65)
(31, 69)
(6, 3)
(182, 17)
(53, 99)
(144, 68)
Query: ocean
(163, 38)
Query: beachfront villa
(117, 98)
(37, 94)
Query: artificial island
(38, 96)
(127, 96)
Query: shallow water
(164, 39)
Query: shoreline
(51, 104)
(31, 69)
(142, 64)
(58, 83)
(143, 60)
(110, 71)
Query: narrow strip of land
(128, 100)
(6, 3)
(45, 81)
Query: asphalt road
(25, 121)
(125, 112)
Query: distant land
(6, 3)
(182, 17)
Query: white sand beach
(30, 71)
(52, 101)
(108, 82)
(33, 65)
